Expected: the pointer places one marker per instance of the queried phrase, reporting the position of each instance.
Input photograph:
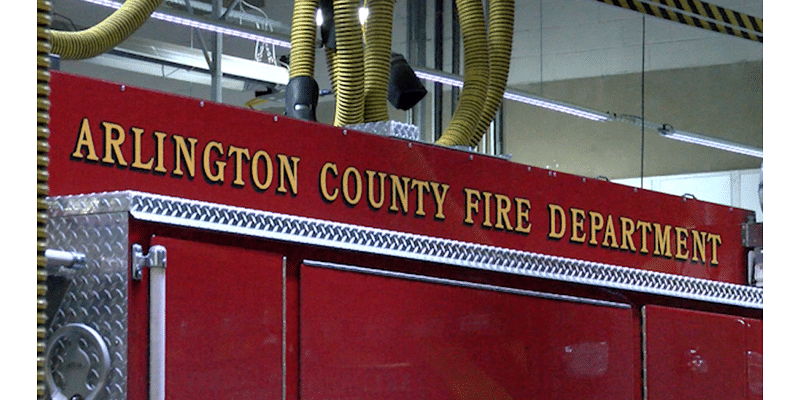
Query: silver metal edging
(470, 285)
(308, 231)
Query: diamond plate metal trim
(236, 220)
(97, 295)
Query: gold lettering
(352, 200)
(323, 181)
(285, 171)
(239, 153)
(503, 208)
(699, 246)
(113, 144)
(487, 209)
(610, 234)
(420, 187)
(577, 225)
(523, 222)
(627, 234)
(219, 176)
(556, 209)
(254, 170)
(371, 188)
(645, 228)
(681, 251)
(160, 137)
(661, 245)
(184, 152)
(85, 140)
(137, 151)
(472, 204)
(716, 240)
(595, 225)
(438, 197)
(399, 192)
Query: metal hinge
(156, 258)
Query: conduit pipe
(105, 35)
(476, 71)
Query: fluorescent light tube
(688, 137)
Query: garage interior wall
(581, 52)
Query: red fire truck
(205, 251)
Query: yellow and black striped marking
(699, 14)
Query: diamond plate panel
(378, 241)
(236, 220)
(97, 294)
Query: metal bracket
(57, 259)
(156, 258)
(753, 234)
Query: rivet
(635, 190)
(275, 118)
(202, 104)
(529, 169)
(470, 156)
(344, 131)
(409, 145)
(122, 88)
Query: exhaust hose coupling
(302, 94)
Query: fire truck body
(237, 254)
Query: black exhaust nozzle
(302, 94)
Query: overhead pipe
(105, 35)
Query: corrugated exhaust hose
(476, 73)
(105, 35)
(302, 91)
(377, 53)
(486, 64)
(43, 48)
(501, 31)
(348, 64)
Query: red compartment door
(224, 321)
(367, 336)
(701, 355)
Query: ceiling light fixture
(514, 95)
(206, 25)
(688, 137)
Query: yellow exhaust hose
(43, 21)
(501, 30)
(349, 64)
(476, 71)
(377, 53)
(303, 38)
(105, 35)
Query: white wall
(731, 188)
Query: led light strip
(452, 80)
(711, 142)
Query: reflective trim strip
(335, 235)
